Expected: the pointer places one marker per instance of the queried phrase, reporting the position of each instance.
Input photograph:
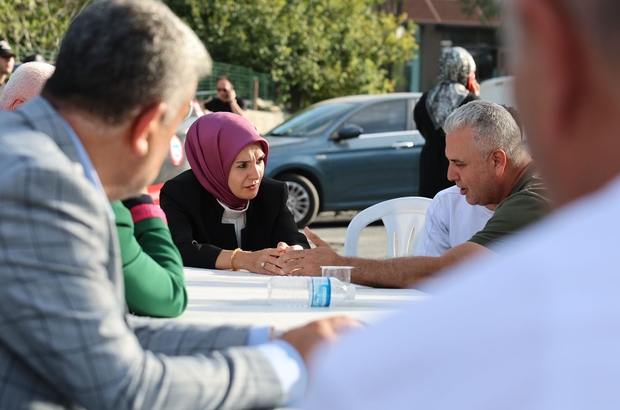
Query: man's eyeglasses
(222, 90)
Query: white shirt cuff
(290, 369)
(258, 335)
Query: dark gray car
(347, 153)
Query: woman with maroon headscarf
(223, 213)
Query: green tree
(37, 26)
(313, 49)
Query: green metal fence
(22, 52)
(243, 79)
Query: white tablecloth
(220, 297)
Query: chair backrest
(403, 219)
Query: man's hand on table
(306, 338)
(308, 262)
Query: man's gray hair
(493, 128)
(120, 56)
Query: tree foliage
(312, 48)
(36, 26)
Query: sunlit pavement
(332, 227)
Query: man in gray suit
(124, 77)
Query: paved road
(332, 228)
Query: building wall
(265, 121)
(430, 51)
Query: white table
(220, 297)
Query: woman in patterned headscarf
(457, 86)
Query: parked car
(176, 161)
(500, 90)
(347, 153)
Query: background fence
(22, 52)
(243, 78)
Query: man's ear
(148, 121)
(498, 157)
(16, 103)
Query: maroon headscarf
(212, 144)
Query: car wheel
(303, 199)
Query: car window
(311, 121)
(388, 116)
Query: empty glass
(342, 273)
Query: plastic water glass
(342, 273)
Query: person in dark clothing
(34, 57)
(226, 100)
(7, 61)
(457, 86)
(223, 213)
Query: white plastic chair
(403, 219)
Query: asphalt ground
(332, 227)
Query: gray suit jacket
(65, 341)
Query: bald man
(25, 84)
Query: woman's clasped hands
(264, 261)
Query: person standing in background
(226, 99)
(457, 86)
(7, 61)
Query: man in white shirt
(490, 166)
(537, 327)
(451, 220)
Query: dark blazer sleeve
(181, 221)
